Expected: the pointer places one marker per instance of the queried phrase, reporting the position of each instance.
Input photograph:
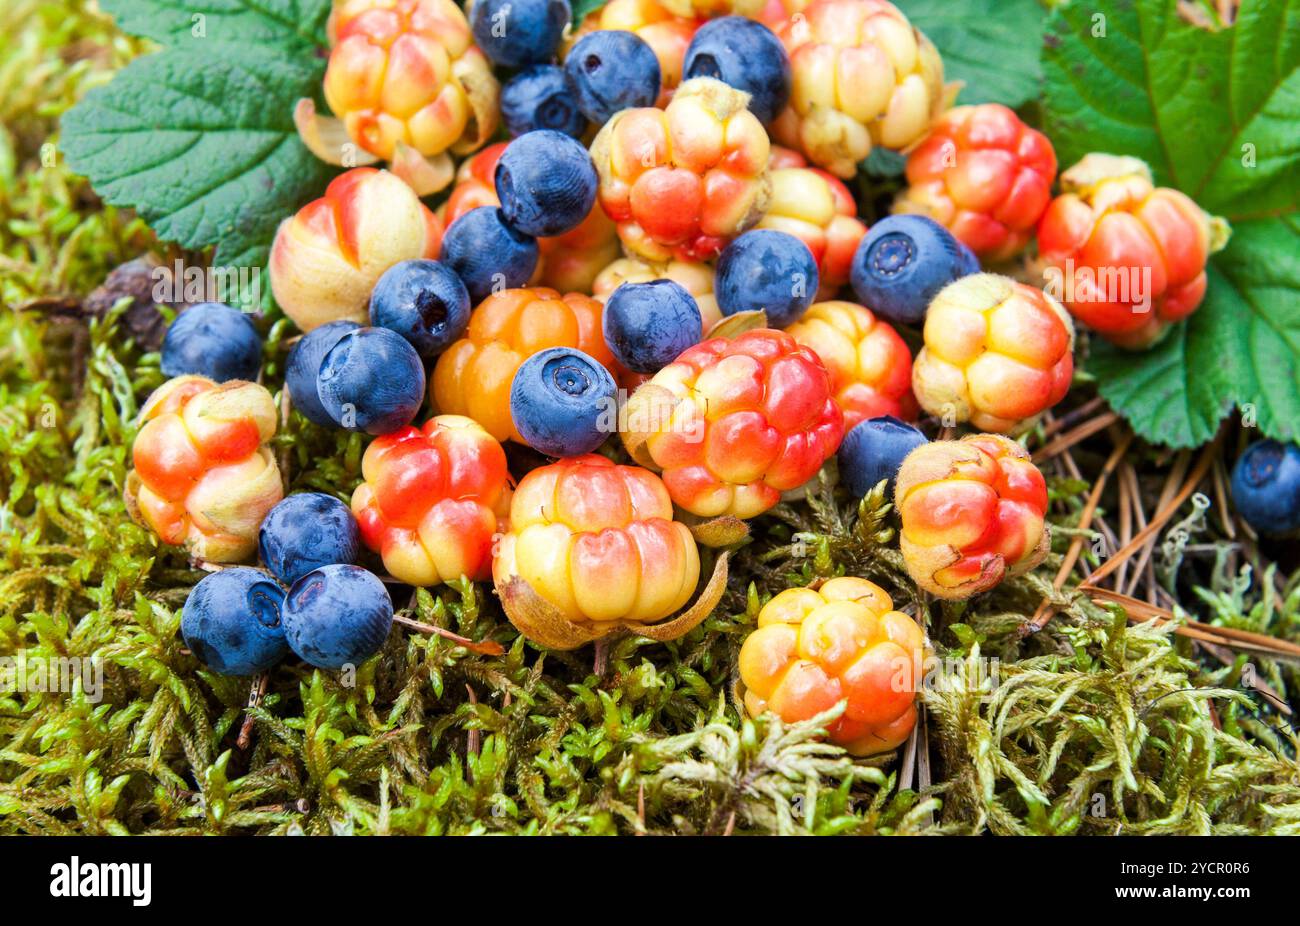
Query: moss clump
(1092, 726)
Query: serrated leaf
(203, 146)
(279, 23)
(1213, 113)
(1241, 347)
(991, 45)
(1163, 393)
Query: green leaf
(1213, 113)
(279, 23)
(202, 145)
(584, 8)
(992, 45)
(1242, 347)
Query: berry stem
(255, 696)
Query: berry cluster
(841, 642)
(592, 546)
(683, 181)
(972, 513)
(733, 423)
(641, 261)
(203, 477)
(1128, 256)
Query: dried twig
(1045, 610)
(1226, 519)
(1072, 417)
(1162, 516)
(1138, 610)
(484, 647)
(1073, 436)
(1143, 566)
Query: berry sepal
(543, 623)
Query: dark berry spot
(433, 311)
(568, 377)
(705, 65)
(554, 114)
(505, 183)
(206, 654)
(892, 254)
(264, 606)
(304, 594)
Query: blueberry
(307, 531)
(541, 98)
(303, 368)
(746, 55)
(1266, 487)
(902, 264)
(232, 621)
(515, 33)
(371, 380)
(337, 616)
(768, 270)
(546, 183)
(563, 402)
(423, 301)
(874, 450)
(212, 340)
(487, 254)
(612, 70)
(647, 325)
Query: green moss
(1092, 726)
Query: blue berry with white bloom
(612, 70)
(541, 98)
(647, 325)
(487, 253)
(302, 369)
(337, 616)
(546, 183)
(306, 531)
(903, 262)
(212, 340)
(744, 54)
(874, 450)
(516, 33)
(1266, 488)
(424, 301)
(563, 402)
(768, 270)
(371, 380)
(232, 621)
